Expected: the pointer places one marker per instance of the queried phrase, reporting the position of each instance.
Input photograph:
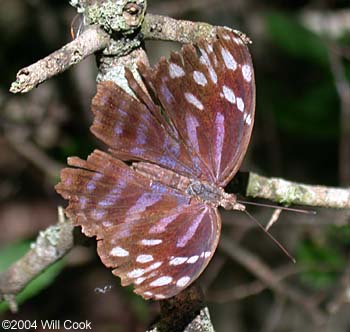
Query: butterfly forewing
(150, 234)
(133, 130)
(211, 100)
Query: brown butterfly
(152, 201)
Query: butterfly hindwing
(150, 234)
(165, 255)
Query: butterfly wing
(210, 99)
(135, 129)
(153, 236)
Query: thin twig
(255, 265)
(250, 289)
(275, 216)
(287, 192)
(35, 156)
(343, 295)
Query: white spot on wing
(238, 41)
(136, 273)
(182, 282)
(151, 242)
(192, 99)
(144, 258)
(229, 60)
(119, 252)
(193, 259)
(162, 281)
(148, 293)
(240, 104)
(199, 78)
(160, 296)
(175, 71)
(210, 48)
(178, 260)
(248, 120)
(229, 94)
(213, 75)
(154, 266)
(205, 254)
(247, 73)
(140, 280)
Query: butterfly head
(229, 202)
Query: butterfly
(152, 201)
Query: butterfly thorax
(203, 191)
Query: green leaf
(11, 254)
(290, 35)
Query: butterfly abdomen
(203, 191)
(162, 175)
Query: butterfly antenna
(271, 237)
(278, 207)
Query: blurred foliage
(322, 264)
(11, 254)
(311, 108)
(287, 32)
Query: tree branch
(253, 288)
(287, 192)
(167, 28)
(50, 246)
(89, 42)
(94, 39)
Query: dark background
(299, 55)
